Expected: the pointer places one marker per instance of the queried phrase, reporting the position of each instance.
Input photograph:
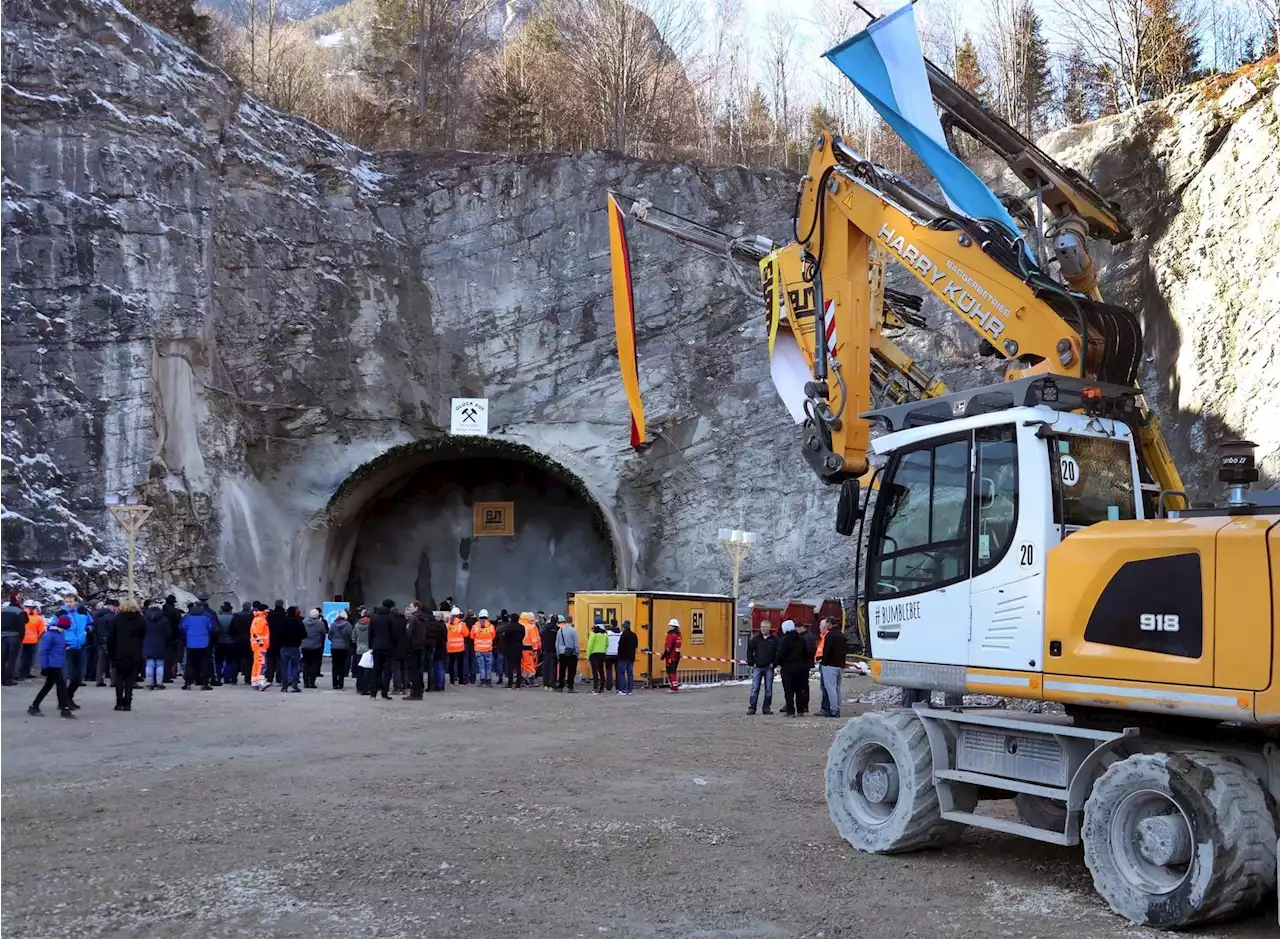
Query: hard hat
(484, 614)
(455, 612)
(674, 622)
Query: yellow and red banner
(624, 320)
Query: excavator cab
(977, 488)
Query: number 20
(1026, 555)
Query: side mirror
(849, 509)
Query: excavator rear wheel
(880, 785)
(1174, 839)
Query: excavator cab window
(920, 540)
(997, 494)
(1092, 480)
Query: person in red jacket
(671, 653)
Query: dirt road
(487, 813)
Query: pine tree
(821, 119)
(1037, 80)
(1085, 89)
(508, 117)
(1172, 50)
(969, 74)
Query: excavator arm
(827, 302)
(851, 214)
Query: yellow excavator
(1028, 540)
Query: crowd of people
(385, 650)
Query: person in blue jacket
(198, 629)
(53, 658)
(77, 634)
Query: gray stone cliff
(258, 328)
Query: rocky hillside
(233, 314)
(1198, 176)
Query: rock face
(258, 328)
(234, 313)
(1198, 175)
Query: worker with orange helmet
(259, 642)
(530, 647)
(455, 644)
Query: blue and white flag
(885, 63)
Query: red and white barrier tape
(860, 667)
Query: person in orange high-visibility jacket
(482, 635)
(824, 625)
(455, 644)
(531, 646)
(30, 639)
(259, 642)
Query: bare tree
(1140, 43)
(1019, 62)
(627, 62)
(780, 67)
(1267, 14)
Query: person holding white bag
(364, 658)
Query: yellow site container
(706, 627)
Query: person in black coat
(511, 640)
(628, 644)
(416, 649)
(834, 649)
(277, 623)
(794, 661)
(382, 643)
(156, 640)
(124, 646)
(433, 651)
(177, 645)
(242, 652)
(762, 656)
(550, 629)
(291, 633)
(399, 650)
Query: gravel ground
(480, 812)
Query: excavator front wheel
(1179, 838)
(880, 785)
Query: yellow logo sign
(495, 518)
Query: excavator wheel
(880, 785)
(1174, 839)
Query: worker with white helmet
(671, 653)
(456, 634)
(483, 634)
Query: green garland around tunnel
(448, 449)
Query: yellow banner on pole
(624, 320)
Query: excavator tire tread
(1234, 855)
(916, 822)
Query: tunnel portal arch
(399, 525)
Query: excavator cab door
(919, 556)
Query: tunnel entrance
(416, 529)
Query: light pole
(130, 514)
(736, 544)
